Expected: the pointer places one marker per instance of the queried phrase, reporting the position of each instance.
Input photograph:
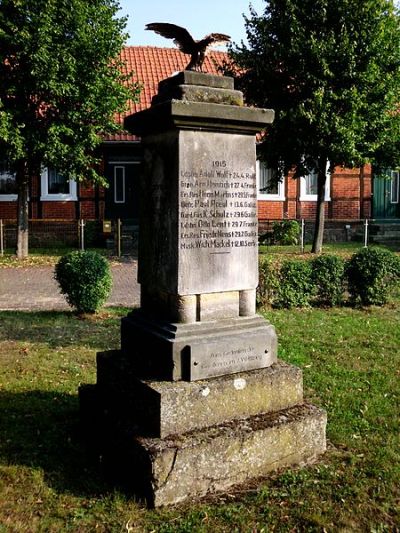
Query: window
(57, 188)
(8, 185)
(394, 187)
(311, 184)
(119, 185)
(309, 187)
(269, 188)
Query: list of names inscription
(218, 208)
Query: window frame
(304, 197)
(392, 181)
(120, 166)
(270, 197)
(6, 197)
(59, 197)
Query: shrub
(265, 238)
(85, 279)
(372, 274)
(268, 282)
(295, 287)
(286, 232)
(327, 274)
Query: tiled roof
(150, 65)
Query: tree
(330, 69)
(61, 83)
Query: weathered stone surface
(200, 116)
(217, 206)
(218, 305)
(156, 349)
(191, 77)
(161, 408)
(199, 231)
(198, 93)
(195, 464)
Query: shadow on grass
(58, 329)
(41, 429)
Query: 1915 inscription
(217, 208)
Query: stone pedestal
(196, 400)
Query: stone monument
(196, 400)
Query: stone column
(196, 400)
(198, 243)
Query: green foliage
(295, 285)
(333, 85)
(60, 82)
(327, 274)
(286, 232)
(372, 274)
(334, 78)
(85, 279)
(268, 281)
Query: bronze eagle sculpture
(185, 42)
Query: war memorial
(196, 401)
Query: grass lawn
(44, 256)
(351, 364)
(344, 249)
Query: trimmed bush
(268, 282)
(295, 287)
(372, 274)
(286, 232)
(327, 275)
(85, 279)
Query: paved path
(34, 288)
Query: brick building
(349, 196)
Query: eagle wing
(182, 38)
(216, 38)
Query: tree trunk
(320, 215)
(22, 177)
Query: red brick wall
(88, 209)
(270, 209)
(58, 210)
(8, 210)
(55, 209)
(350, 198)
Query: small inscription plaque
(230, 356)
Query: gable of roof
(150, 65)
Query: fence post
(302, 235)
(119, 224)
(366, 233)
(82, 233)
(1, 238)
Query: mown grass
(50, 256)
(45, 256)
(343, 249)
(351, 364)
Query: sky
(199, 17)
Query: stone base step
(162, 408)
(197, 463)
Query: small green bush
(372, 274)
(268, 282)
(85, 279)
(327, 275)
(286, 232)
(295, 287)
